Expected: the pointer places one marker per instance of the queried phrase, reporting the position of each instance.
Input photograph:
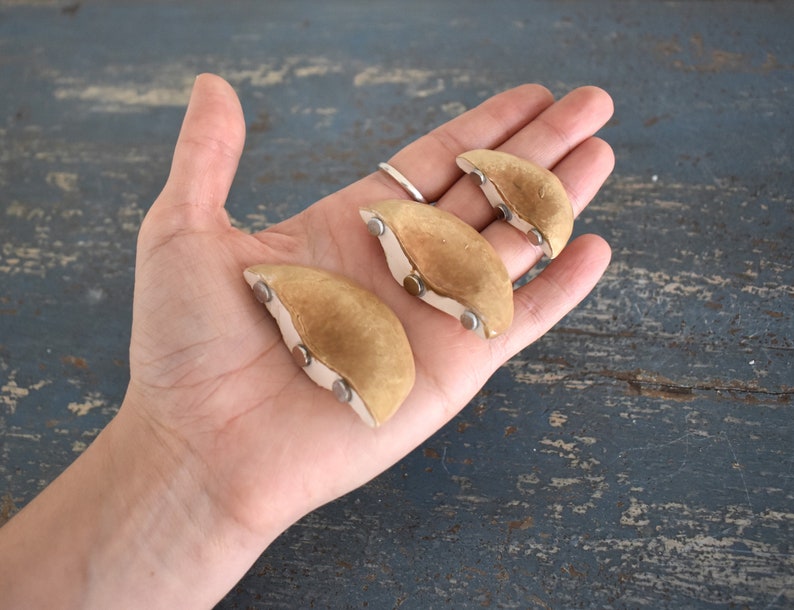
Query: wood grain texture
(639, 455)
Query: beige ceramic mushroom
(528, 196)
(343, 336)
(445, 262)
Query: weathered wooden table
(640, 455)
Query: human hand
(221, 441)
(209, 372)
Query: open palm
(210, 376)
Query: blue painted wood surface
(640, 455)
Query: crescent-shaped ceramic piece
(534, 196)
(447, 263)
(345, 336)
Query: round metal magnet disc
(414, 285)
(301, 355)
(262, 292)
(535, 237)
(342, 391)
(477, 177)
(503, 212)
(469, 320)
(376, 227)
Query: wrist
(129, 524)
(164, 542)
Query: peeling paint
(11, 393)
(92, 401)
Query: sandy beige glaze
(349, 330)
(531, 192)
(452, 258)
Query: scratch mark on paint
(739, 469)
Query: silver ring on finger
(402, 181)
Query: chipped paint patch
(557, 419)
(92, 401)
(66, 181)
(79, 446)
(11, 392)
(318, 66)
(171, 87)
(525, 482)
(374, 75)
(419, 83)
(561, 445)
(297, 66)
(24, 435)
(522, 524)
(264, 76)
(29, 260)
(697, 566)
(697, 56)
(564, 481)
(453, 109)
(636, 515)
(115, 98)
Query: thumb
(205, 158)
